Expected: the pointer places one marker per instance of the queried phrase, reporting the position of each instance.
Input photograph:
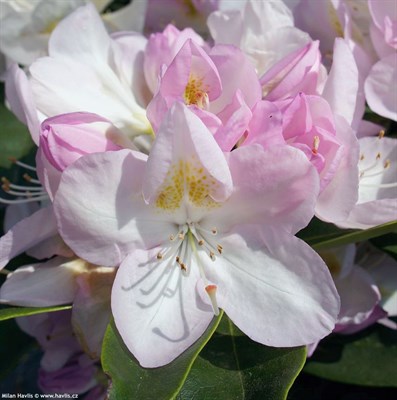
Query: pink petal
(183, 136)
(275, 186)
(274, 287)
(110, 219)
(27, 233)
(381, 78)
(236, 73)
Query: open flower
(377, 191)
(195, 230)
(27, 25)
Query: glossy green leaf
(319, 231)
(233, 367)
(368, 358)
(14, 312)
(130, 381)
(20, 355)
(341, 239)
(15, 140)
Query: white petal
(157, 309)
(274, 287)
(40, 285)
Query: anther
(362, 157)
(27, 177)
(220, 248)
(316, 144)
(159, 256)
(378, 156)
(181, 235)
(387, 164)
(381, 134)
(201, 242)
(212, 256)
(172, 237)
(214, 231)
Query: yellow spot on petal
(186, 181)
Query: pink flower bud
(67, 137)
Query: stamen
(28, 178)
(316, 144)
(21, 164)
(211, 291)
(21, 201)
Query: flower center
(196, 93)
(375, 170)
(180, 247)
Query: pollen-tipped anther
(316, 144)
(211, 291)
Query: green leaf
(14, 312)
(233, 367)
(368, 358)
(16, 349)
(131, 381)
(321, 235)
(15, 140)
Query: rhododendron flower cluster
(180, 148)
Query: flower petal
(274, 287)
(20, 97)
(381, 78)
(40, 285)
(106, 221)
(157, 309)
(184, 137)
(274, 186)
(27, 233)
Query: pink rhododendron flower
(161, 49)
(299, 71)
(64, 366)
(206, 83)
(67, 137)
(377, 191)
(65, 281)
(194, 230)
(264, 30)
(357, 290)
(100, 74)
(369, 29)
(27, 25)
